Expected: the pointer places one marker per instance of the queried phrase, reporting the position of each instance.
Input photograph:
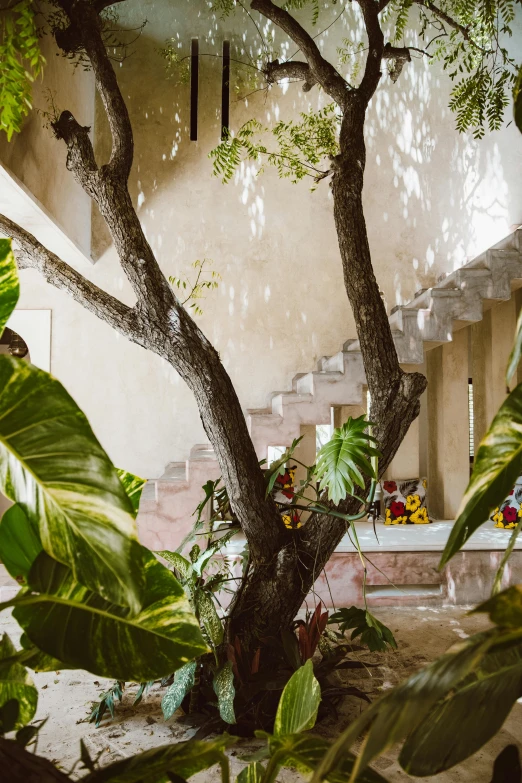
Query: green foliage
(16, 685)
(342, 461)
(517, 102)
(69, 622)
(351, 53)
(296, 5)
(175, 65)
(197, 289)
(133, 486)
(516, 352)
(301, 146)
(297, 710)
(373, 633)
(182, 759)
(497, 464)
(85, 522)
(19, 542)
(463, 681)
(183, 683)
(223, 685)
(21, 61)
(9, 284)
(106, 703)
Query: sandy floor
(422, 634)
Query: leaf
(53, 466)
(468, 716)
(69, 622)
(299, 703)
(505, 608)
(9, 283)
(342, 461)
(176, 560)
(208, 616)
(183, 684)
(133, 486)
(398, 712)
(497, 465)
(373, 633)
(15, 683)
(304, 752)
(517, 101)
(182, 758)
(19, 542)
(224, 689)
(251, 774)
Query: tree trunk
(272, 595)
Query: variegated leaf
(254, 773)
(224, 689)
(183, 684)
(498, 464)
(133, 486)
(15, 683)
(208, 616)
(177, 561)
(9, 285)
(67, 621)
(53, 466)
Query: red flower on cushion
(288, 492)
(284, 479)
(510, 514)
(512, 491)
(390, 486)
(397, 508)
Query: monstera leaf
(9, 285)
(497, 465)
(15, 684)
(19, 542)
(71, 623)
(53, 466)
(342, 461)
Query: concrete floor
(422, 634)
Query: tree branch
(276, 72)
(445, 18)
(30, 253)
(80, 153)
(372, 70)
(84, 33)
(323, 72)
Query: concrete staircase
(429, 320)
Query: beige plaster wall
(432, 198)
(35, 156)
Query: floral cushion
(405, 502)
(510, 510)
(283, 494)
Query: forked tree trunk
(272, 594)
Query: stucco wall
(432, 198)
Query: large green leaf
(401, 710)
(225, 691)
(53, 466)
(180, 563)
(497, 465)
(19, 542)
(183, 684)
(133, 486)
(342, 461)
(299, 702)
(182, 758)
(77, 626)
(504, 609)
(15, 683)
(467, 717)
(304, 752)
(9, 285)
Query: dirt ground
(423, 633)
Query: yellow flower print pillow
(405, 502)
(510, 510)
